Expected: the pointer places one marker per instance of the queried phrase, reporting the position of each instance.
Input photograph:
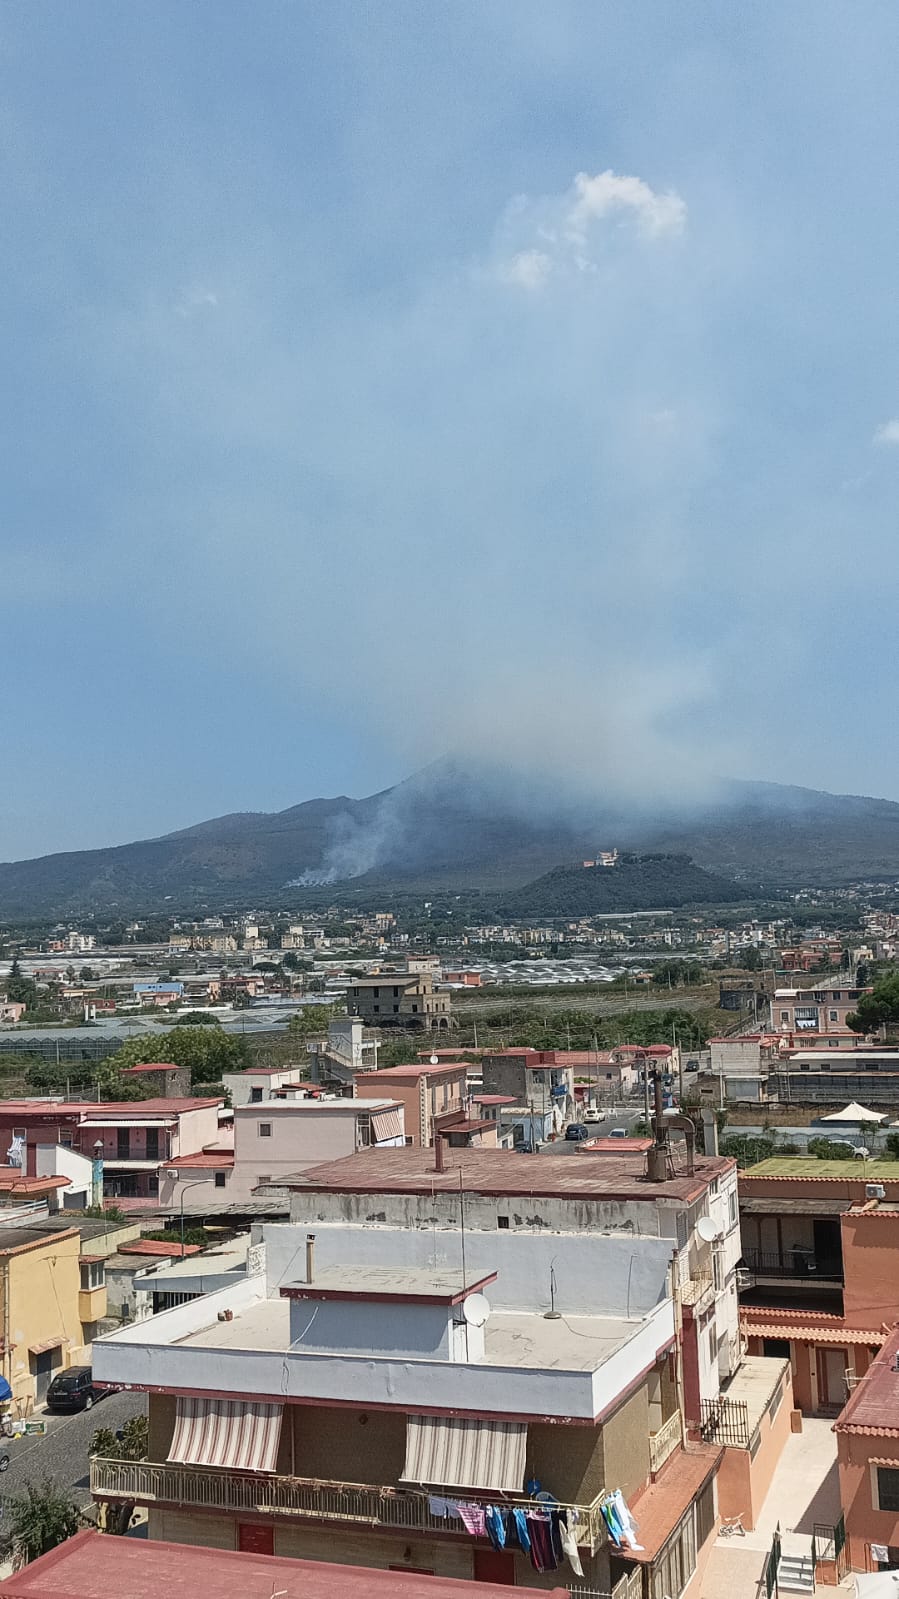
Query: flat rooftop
(755, 1383)
(852, 1168)
(411, 1170)
(414, 1284)
(512, 1338)
(93, 1566)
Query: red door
(494, 1565)
(254, 1538)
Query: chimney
(710, 1131)
(310, 1257)
(438, 1152)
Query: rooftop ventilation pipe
(310, 1257)
(438, 1152)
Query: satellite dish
(708, 1230)
(435, 1060)
(476, 1309)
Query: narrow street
(63, 1454)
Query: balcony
(349, 1504)
(664, 1442)
(794, 1263)
(697, 1289)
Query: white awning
(854, 1113)
(447, 1453)
(230, 1433)
(386, 1124)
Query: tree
(20, 990)
(311, 1020)
(206, 1052)
(38, 1520)
(750, 959)
(880, 1008)
(131, 1442)
(86, 974)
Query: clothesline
(544, 1530)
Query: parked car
(576, 1132)
(618, 1132)
(73, 1389)
(592, 1115)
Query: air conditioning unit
(875, 1191)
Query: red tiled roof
(93, 1566)
(493, 1099)
(873, 1405)
(150, 1066)
(90, 1109)
(807, 1325)
(659, 1508)
(415, 1068)
(12, 1177)
(203, 1160)
(154, 1246)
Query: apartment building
(133, 1139)
(743, 1064)
(52, 1296)
(399, 999)
(818, 1283)
(272, 1141)
(432, 1096)
(447, 1344)
(867, 1430)
(806, 1016)
(348, 1048)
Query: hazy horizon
(381, 382)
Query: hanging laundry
(438, 1508)
(474, 1520)
(520, 1524)
(625, 1519)
(495, 1519)
(554, 1533)
(542, 1556)
(569, 1546)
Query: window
(785, 1015)
(732, 1208)
(887, 1487)
(255, 1096)
(502, 1221)
(834, 1015)
(123, 1143)
(396, 1010)
(414, 1010)
(717, 1274)
(364, 1132)
(152, 1143)
(93, 1274)
(265, 1129)
(396, 993)
(376, 1008)
(220, 1179)
(20, 1132)
(376, 994)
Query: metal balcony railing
(792, 1263)
(664, 1442)
(696, 1288)
(255, 1493)
(725, 1421)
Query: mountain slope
(449, 827)
(634, 883)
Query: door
(254, 1538)
(494, 1565)
(828, 1245)
(832, 1365)
(43, 1371)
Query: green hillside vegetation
(635, 883)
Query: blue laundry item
(496, 1526)
(438, 1507)
(520, 1520)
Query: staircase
(796, 1572)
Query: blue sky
(380, 380)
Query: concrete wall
(449, 1556)
(594, 1273)
(625, 1437)
(870, 1251)
(482, 1212)
(745, 1478)
(865, 1524)
(361, 1326)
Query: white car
(591, 1116)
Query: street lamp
(184, 1188)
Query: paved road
(62, 1454)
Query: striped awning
(386, 1124)
(230, 1433)
(448, 1453)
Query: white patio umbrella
(854, 1113)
